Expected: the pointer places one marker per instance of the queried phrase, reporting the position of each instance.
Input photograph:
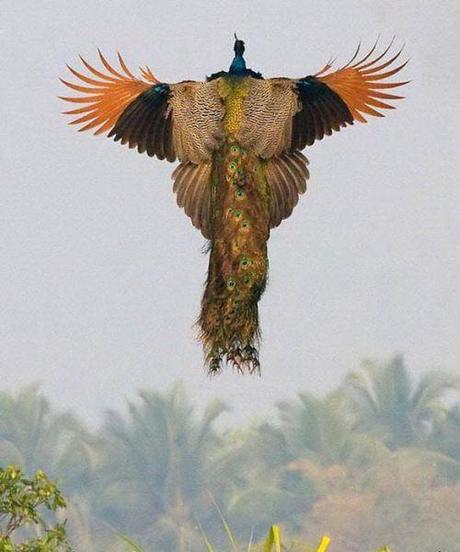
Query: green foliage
(381, 448)
(273, 540)
(272, 543)
(390, 407)
(133, 547)
(22, 501)
(158, 468)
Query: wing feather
(192, 185)
(183, 119)
(357, 84)
(286, 176)
(198, 113)
(269, 107)
(332, 100)
(107, 96)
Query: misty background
(102, 274)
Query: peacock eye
(245, 224)
(234, 150)
(247, 280)
(232, 166)
(231, 283)
(245, 262)
(237, 214)
(239, 193)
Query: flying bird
(238, 138)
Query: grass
(271, 544)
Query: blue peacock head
(238, 66)
(238, 47)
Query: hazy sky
(102, 274)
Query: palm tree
(283, 462)
(446, 432)
(388, 405)
(31, 435)
(445, 438)
(34, 437)
(316, 428)
(319, 431)
(160, 466)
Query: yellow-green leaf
(273, 539)
(323, 544)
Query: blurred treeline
(377, 461)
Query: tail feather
(238, 263)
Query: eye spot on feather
(247, 280)
(234, 150)
(231, 284)
(239, 194)
(244, 263)
(237, 214)
(245, 226)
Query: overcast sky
(102, 274)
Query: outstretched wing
(282, 116)
(329, 101)
(105, 96)
(181, 120)
(169, 121)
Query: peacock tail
(238, 138)
(238, 261)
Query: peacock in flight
(238, 138)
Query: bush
(23, 504)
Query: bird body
(238, 253)
(238, 138)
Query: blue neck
(238, 66)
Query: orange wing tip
(105, 93)
(359, 84)
(148, 75)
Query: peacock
(238, 138)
